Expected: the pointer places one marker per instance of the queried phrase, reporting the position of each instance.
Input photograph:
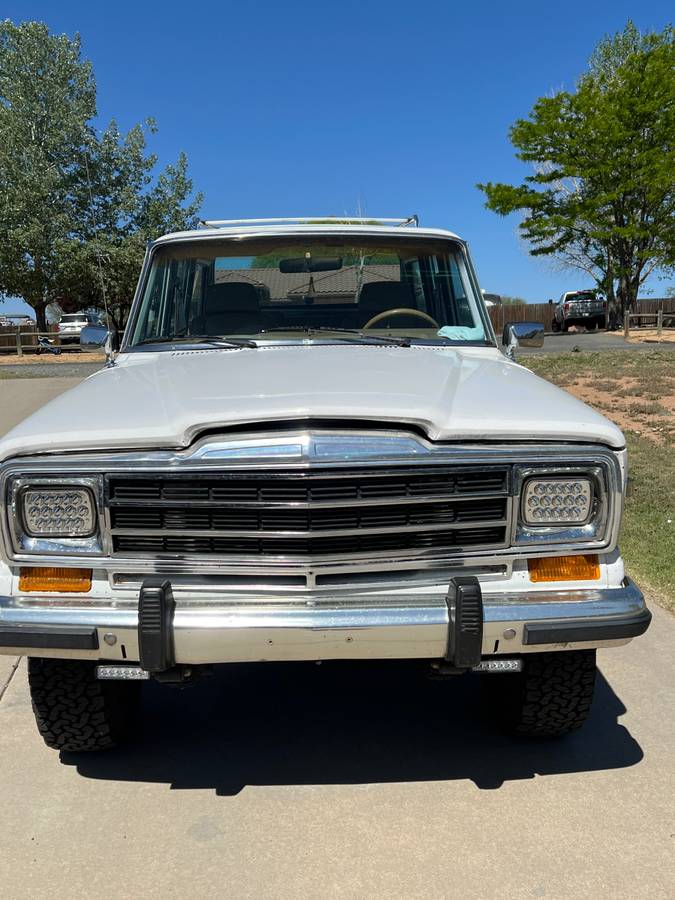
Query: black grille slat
(310, 513)
(307, 488)
(292, 519)
(308, 546)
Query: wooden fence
(8, 342)
(543, 312)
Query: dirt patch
(655, 419)
(651, 336)
(636, 389)
(68, 357)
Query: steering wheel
(398, 312)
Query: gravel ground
(594, 341)
(49, 370)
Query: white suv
(310, 446)
(71, 324)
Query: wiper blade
(363, 336)
(380, 338)
(215, 340)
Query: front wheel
(76, 712)
(552, 695)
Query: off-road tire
(76, 712)
(555, 326)
(552, 696)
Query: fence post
(19, 348)
(659, 322)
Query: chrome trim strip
(313, 504)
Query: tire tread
(73, 710)
(552, 696)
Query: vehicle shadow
(342, 723)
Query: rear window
(73, 318)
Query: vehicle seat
(231, 308)
(377, 296)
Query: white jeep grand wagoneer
(310, 446)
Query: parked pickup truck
(310, 446)
(585, 309)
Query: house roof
(344, 281)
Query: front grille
(310, 513)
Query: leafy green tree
(76, 208)
(121, 209)
(601, 198)
(47, 96)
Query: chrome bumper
(375, 626)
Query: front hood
(166, 399)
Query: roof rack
(310, 220)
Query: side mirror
(522, 334)
(97, 337)
(93, 337)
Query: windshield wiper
(360, 332)
(215, 340)
(362, 335)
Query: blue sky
(289, 108)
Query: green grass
(648, 530)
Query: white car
(71, 324)
(310, 446)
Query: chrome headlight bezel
(593, 530)
(23, 541)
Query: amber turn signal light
(69, 581)
(564, 568)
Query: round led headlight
(58, 511)
(557, 501)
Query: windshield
(290, 289)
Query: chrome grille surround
(304, 456)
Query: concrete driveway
(327, 781)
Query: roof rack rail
(309, 220)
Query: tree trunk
(613, 318)
(40, 308)
(628, 293)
